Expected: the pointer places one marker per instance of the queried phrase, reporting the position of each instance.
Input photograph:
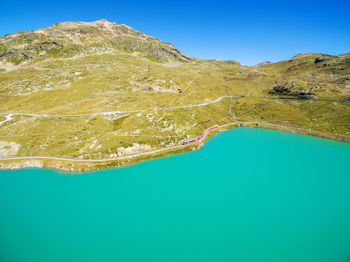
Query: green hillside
(103, 91)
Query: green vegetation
(71, 73)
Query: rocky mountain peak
(263, 63)
(102, 22)
(302, 55)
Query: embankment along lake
(248, 195)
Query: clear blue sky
(246, 31)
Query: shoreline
(75, 165)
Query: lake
(248, 195)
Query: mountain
(68, 39)
(97, 93)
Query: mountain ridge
(104, 24)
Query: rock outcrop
(8, 148)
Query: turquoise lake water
(248, 195)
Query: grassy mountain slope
(68, 72)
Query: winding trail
(90, 160)
(8, 118)
(114, 112)
(162, 149)
(104, 159)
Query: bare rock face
(8, 148)
(134, 149)
(291, 90)
(263, 63)
(319, 60)
(301, 55)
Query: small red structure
(200, 137)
